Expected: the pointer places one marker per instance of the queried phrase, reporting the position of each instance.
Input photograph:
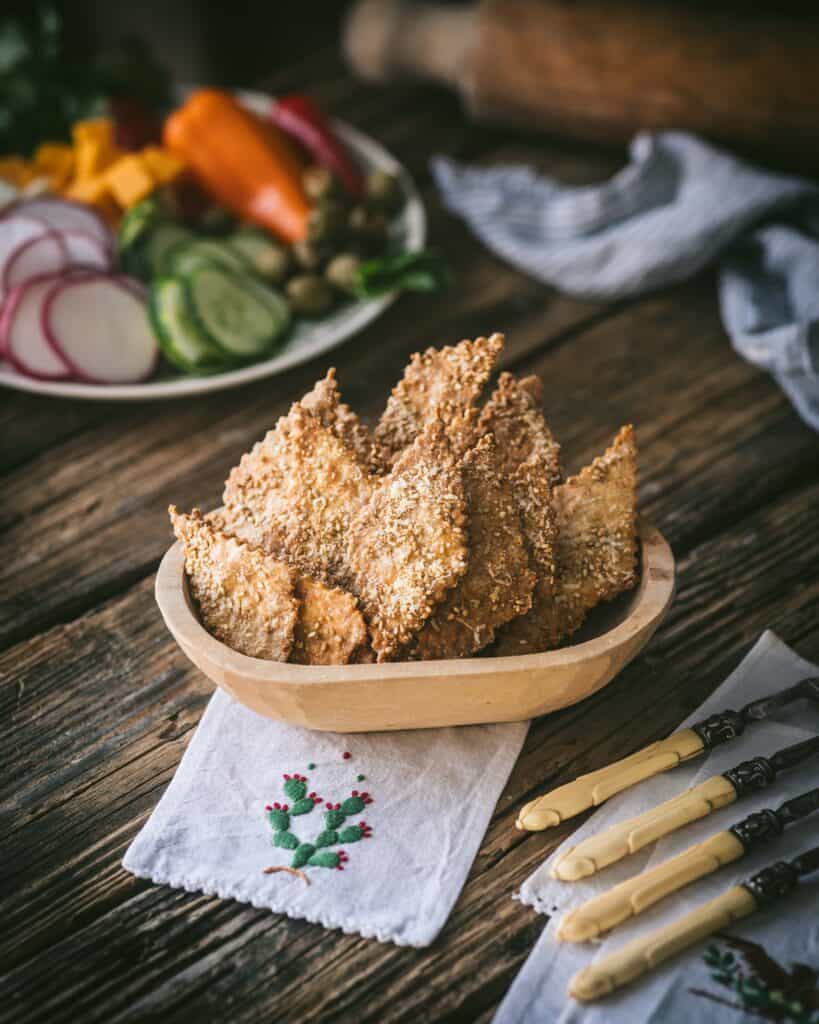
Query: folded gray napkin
(676, 207)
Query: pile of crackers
(445, 531)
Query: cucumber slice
(183, 343)
(238, 313)
(265, 257)
(159, 243)
(137, 222)
(185, 257)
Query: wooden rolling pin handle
(632, 897)
(595, 788)
(605, 69)
(627, 837)
(387, 39)
(645, 953)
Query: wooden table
(98, 704)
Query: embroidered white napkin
(701, 985)
(383, 826)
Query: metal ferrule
(757, 828)
(772, 883)
(721, 728)
(751, 775)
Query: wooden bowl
(425, 694)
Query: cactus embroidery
(316, 852)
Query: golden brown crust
(324, 402)
(497, 585)
(440, 383)
(330, 629)
(596, 552)
(300, 488)
(244, 596)
(408, 545)
(513, 415)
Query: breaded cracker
(300, 488)
(437, 383)
(236, 522)
(245, 596)
(408, 546)
(330, 629)
(596, 551)
(513, 415)
(498, 582)
(324, 402)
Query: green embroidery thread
(761, 985)
(316, 853)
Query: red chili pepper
(299, 117)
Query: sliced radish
(15, 231)
(85, 250)
(21, 325)
(101, 328)
(64, 215)
(43, 255)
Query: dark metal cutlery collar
(772, 883)
(759, 772)
(727, 725)
(767, 824)
(777, 880)
(758, 828)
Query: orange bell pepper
(247, 168)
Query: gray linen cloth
(677, 206)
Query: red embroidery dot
(346, 755)
(267, 807)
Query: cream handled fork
(628, 899)
(646, 952)
(626, 837)
(595, 788)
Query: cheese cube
(129, 180)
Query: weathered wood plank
(96, 712)
(84, 519)
(87, 520)
(172, 950)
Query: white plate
(306, 341)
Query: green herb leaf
(423, 271)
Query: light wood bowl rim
(654, 593)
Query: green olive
(274, 264)
(327, 222)
(342, 272)
(318, 183)
(309, 295)
(368, 228)
(383, 191)
(311, 255)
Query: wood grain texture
(97, 704)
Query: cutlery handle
(630, 898)
(595, 788)
(597, 852)
(645, 953)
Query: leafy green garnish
(423, 271)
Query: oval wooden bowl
(425, 694)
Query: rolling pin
(602, 70)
